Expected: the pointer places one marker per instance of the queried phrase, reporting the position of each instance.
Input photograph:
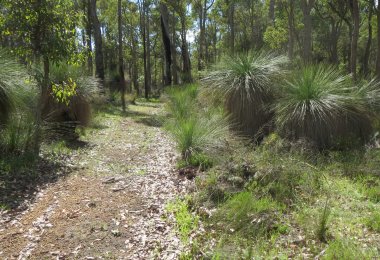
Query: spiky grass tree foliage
(322, 106)
(18, 107)
(12, 75)
(246, 82)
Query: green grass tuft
(197, 131)
(186, 221)
(345, 249)
(250, 215)
(373, 222)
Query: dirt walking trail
(112, 206)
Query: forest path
(113, 205)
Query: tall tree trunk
(145, 31)
(46, 73)
(271, 14)
(167, 44)
(365, 64)
(201, 36)
(291, 30)
(355, 37)
(174, 51)
(121, 60)
(135, 72)
(148, 87)
(334, 38)
(88, 37)
(307, 6)
(378, 42)
(202, 56)
(186, 68)
(99, 60)
(214, 42)
(231, 23)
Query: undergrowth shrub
(283, 173)
(246, 82)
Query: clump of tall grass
(246, 82)
(195, 128)
(320, 105)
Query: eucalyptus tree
(42, 29)
(120, 49)
(99, 59)
(180, 8)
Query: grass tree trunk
(120, 49)
(99, 60)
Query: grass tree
(320, 105)
(10, 74)
(18, 103)
(246, 82)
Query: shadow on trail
(147, 119)
(139, 117)
(23, 176)
(79, 144)
(151, 121)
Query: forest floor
(110, 204)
